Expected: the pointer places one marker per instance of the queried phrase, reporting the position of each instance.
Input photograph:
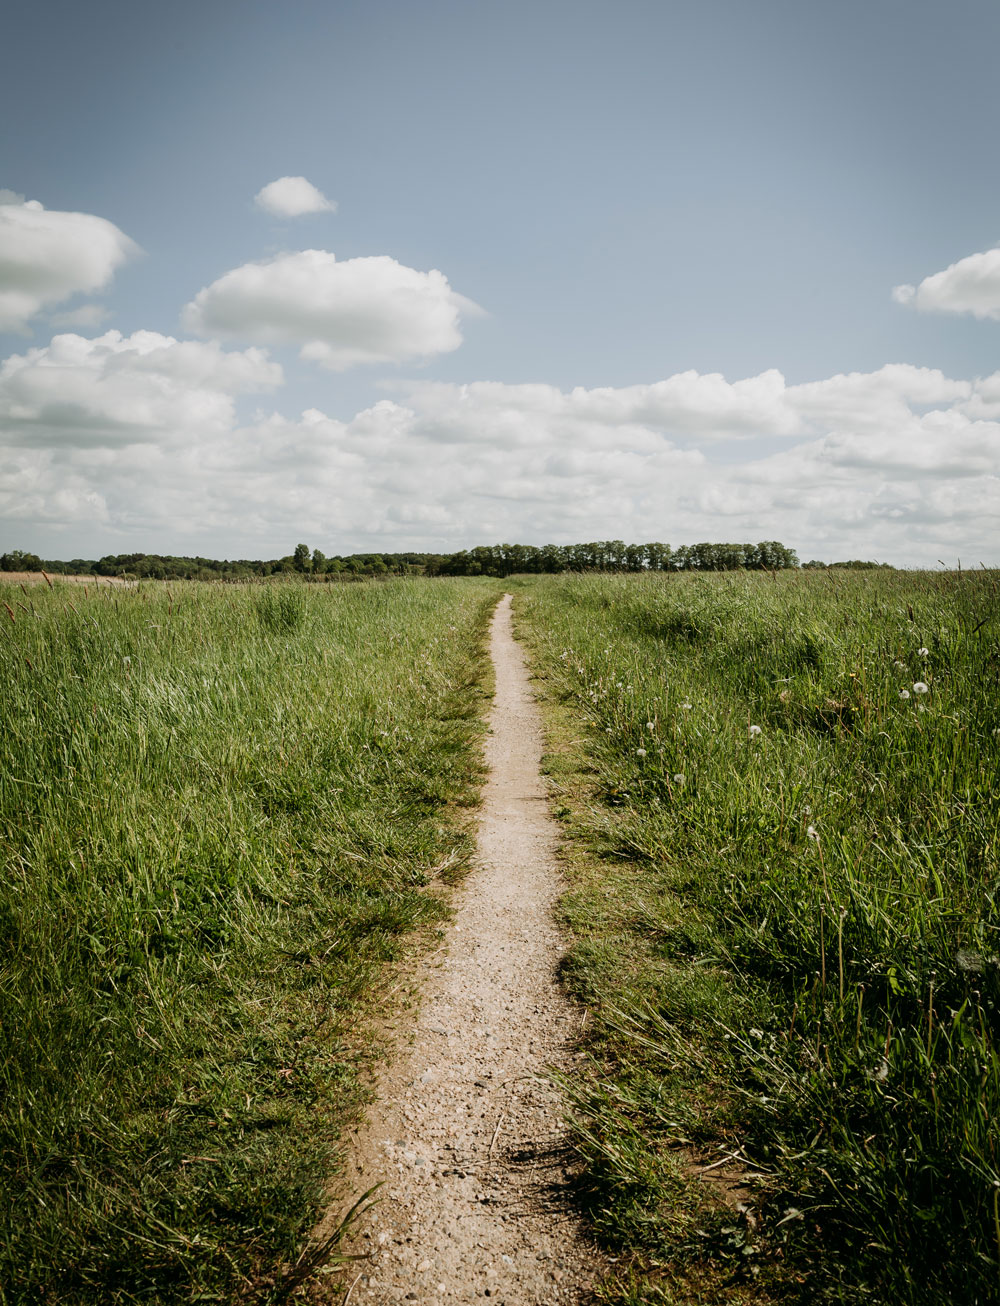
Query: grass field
(782, 794)
(219, 807)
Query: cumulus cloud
(46, 256)
(119, 390)
(972, 285)
(292, 197)
(363, 310)
(141, 436)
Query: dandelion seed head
(650, 725)
(919, 687)
(813, 833)
(923, 652)
(679, 778)
(686, 707)
(904, 693)
(640, 752)
(754, 731)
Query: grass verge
(782, 801)
(220, 808)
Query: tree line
(486, 560)
(616, 555)
(311, 563)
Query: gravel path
(466, 1136)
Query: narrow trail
(466, 1137)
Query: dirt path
(466, 1136)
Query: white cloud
(364, 310)
(47, 256)
(972, 285)
(293, 197)
(115, 391)
(139, 438)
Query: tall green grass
(219, 807)
(788, 923)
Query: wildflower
(754, 731)
(686, 707)
(640, 752)
(679, 778)
(813, 833)
(969, 960)
(904, 693)
(923, 652)
(650, 726)
(919, 687)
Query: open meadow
(220, 807)
(780, 797)
(225, 808)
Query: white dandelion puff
(919, 687)
(813, 833)
(923, 652)
(754, 731)
(679, 778)
(640, 752)
(904, 693)
(686, 707)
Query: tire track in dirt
(465, 1136)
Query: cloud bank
(292, 197)
(363, 310)
(47, 256)
(972, 285)
(142, 436)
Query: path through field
(466, 1136)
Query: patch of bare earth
(466, 1137)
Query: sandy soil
(466, 1136)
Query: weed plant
(788, 925)
(219, 807)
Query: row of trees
(156, 566)
(486, 560)
(614, 555)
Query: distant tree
(318, 562)
(17, 560)
(301, 558)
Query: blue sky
(630, 193)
